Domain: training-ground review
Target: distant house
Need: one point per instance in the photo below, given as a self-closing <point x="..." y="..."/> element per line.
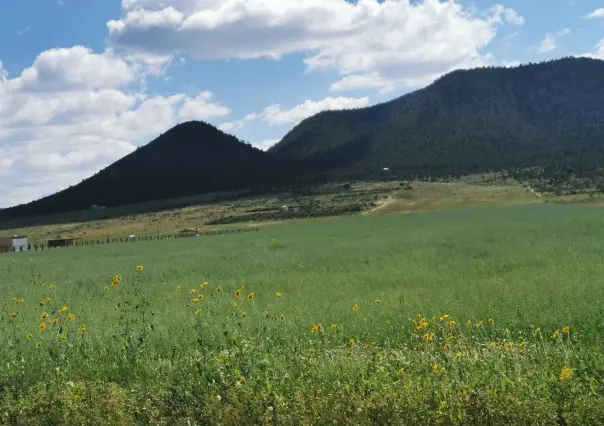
<point x="14" y="243"/>
<point x="60" y="242"/>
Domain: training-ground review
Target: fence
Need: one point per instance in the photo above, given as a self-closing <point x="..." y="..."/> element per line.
<point x="84" y="243"/>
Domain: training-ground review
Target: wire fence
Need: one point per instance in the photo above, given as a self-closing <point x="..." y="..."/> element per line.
<point x="65" y="243"/>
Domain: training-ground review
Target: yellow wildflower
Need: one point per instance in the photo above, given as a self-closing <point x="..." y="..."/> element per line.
<point x="200" y="297"/>
<point x="21" y="300"/>
<point x="434" y="368"/>
<point x="251" y="296"/>
<point x="566" y="373"/>
<point x="458" y="355"/>
<point x="452" y="324"/>
<point x="378" y="301"/>
<point x="443" y="318"/>
<point x="139" y="268"/>
<point x="71" y="317"/>
<point x="491" y="321"/>
<point x="193" y="291"/>
<point x="14" y="300"/>
<point x="244" y="315"/>
<point x="355" y="308"/>
<point x="42" y="326"/>
<point x="51" y="286"/>
<point x="446" y="346"/>
<point x="13" y="315"/>
<point x="198" y="312"/>
<point x="469" y="323"/>
<point x="63" y="309"/>
<point x="63" y="336"/>
<point x="479" y="324"/>
<point x="265" y="313"/>
<point x="315" y="329"/>
<point x="282" y="317"/>
<point x="556" y="334"/>
<point x="38" y="345"/>
<point x="351" y="341"/>
<point x="56" y="321"/>
<point x="506" y="332"/>
<point x="44" y="316"/>
<point x="333" y="326"/>
<point x="47" y="300"/>
<point x="204" y="284"/>
<point x="428" y="337"/>
<point x="234" y="304"/>
<point x="106" y="288"/>
<point x="278" y="294"/>
<point x="178" y="288"/>
<point x="83" y="329"/>
<point x="218" y="288"/>
<point x="238" y="293"/>
<point x="28" y="336"/>
<point x="566" y="329"/>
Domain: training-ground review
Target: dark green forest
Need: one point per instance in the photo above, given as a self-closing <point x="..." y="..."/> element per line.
<point x="539" y="122"/>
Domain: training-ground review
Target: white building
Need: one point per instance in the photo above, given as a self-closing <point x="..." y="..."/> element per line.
<point x="20" y="243"/>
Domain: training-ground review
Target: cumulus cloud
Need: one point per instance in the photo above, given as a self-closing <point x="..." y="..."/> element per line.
<point x="598" y="13"/>
<point x="380" y="45"/>
<point x="549" y="41"/>
<point x="74" y="112"/>
<point x="599" y="52"/>
<point x="276" y="115"/>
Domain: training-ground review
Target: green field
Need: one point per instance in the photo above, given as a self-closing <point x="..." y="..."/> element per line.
<point x="150" y="354"/>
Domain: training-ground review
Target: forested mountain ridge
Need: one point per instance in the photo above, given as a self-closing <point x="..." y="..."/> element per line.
<point x="549" y="115"/>
<point x="191" y="158"/>
<point x="471" y="121"/>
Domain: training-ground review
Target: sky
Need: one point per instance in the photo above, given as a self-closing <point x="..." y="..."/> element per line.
<point x="84" y="82"/>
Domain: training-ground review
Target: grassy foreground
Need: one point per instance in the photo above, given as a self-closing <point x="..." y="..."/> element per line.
<point x="479" y="316"/>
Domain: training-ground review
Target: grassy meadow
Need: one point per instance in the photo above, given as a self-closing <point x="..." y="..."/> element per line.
<point x="490" y="315"/>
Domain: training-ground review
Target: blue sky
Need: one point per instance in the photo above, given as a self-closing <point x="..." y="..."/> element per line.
<point x="83" y="83"/>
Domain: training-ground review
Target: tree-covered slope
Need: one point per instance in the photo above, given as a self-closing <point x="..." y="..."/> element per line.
<point x="470" y="121"/>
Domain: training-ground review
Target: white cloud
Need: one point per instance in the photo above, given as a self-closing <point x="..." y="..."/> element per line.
<point x="265" y="144"/>
<point x="598" y="13"/>
<point x="598" y="54"/>
<point x="549" y="41"/>
<point x="200" y="108"/>
<point x="74" y="112"/>
<point x="275" y="115"/>
<point x="380" y="45"/>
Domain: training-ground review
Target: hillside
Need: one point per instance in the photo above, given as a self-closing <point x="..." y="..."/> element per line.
<point x="191" y="158"/>
<point x="470" y="121"/>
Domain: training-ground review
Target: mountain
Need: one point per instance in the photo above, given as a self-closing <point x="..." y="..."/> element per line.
<point x="469" y="121"/>
<point x="486" y="119"/>
<point x="191" y="158"/>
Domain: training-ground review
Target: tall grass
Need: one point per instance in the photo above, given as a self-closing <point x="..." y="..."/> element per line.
<point x="481" y="316"/>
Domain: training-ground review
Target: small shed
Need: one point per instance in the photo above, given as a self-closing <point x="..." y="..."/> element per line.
<point x="61" y="242"/>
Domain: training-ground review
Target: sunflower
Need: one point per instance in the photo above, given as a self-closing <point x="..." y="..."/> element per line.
<point x="234" y="304"/>
<point x="42" y="326"/>
<point x="51" y="286"/>
<point x="63" y="336"/>
<point x="200" y="297"/>
<point x="314" y="329"/>
<point x="282" y="317"/>
<point x="278" y="294"/>
<point x="251" y="296"/>
<point x="378" y="301"/>
<point x="351" y="341"/>
<point x="193" y="291"/>
<point x="56" y="321"/>
<point x="434" y="367"/>
<point x="178" y="288"/>
<point x="38" y="345"/>
<point x="566" y="373"/>
<point x="44" y="286"/>
<point x="83" y="329"/>
<point x="566" y="329"/>
<point x="469" y="323"/>
<point x="244" y="315"/>
<point x="355" y="308"/>
<point x="333" y="326"/>
<point x="491" y="321"/>
<point x="47" y="300"/>
<point x="479" y="324"/>
<point x="21" y="300"/>
<point x="428" y="337"/>
<point x="204" y="284"/>
<point x="106" y="288"/>
<point x="139" y="268"/>
<point x="218" y="288"/>
<point x="556" y="334"/>
<point x="198" y="312"/>
<point x="14" y="300"/>
<point x="63" y="309"/>
<point x="71" y="317"/>
<point x="452" y="324"/>
<point x="443" y="318"/>
<point x="44" y="316"/>
<point x="458" y="355"/>
<point x="13" y="315"/>
<point x="28" y="336"/>
<point x="238" y="293"/>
